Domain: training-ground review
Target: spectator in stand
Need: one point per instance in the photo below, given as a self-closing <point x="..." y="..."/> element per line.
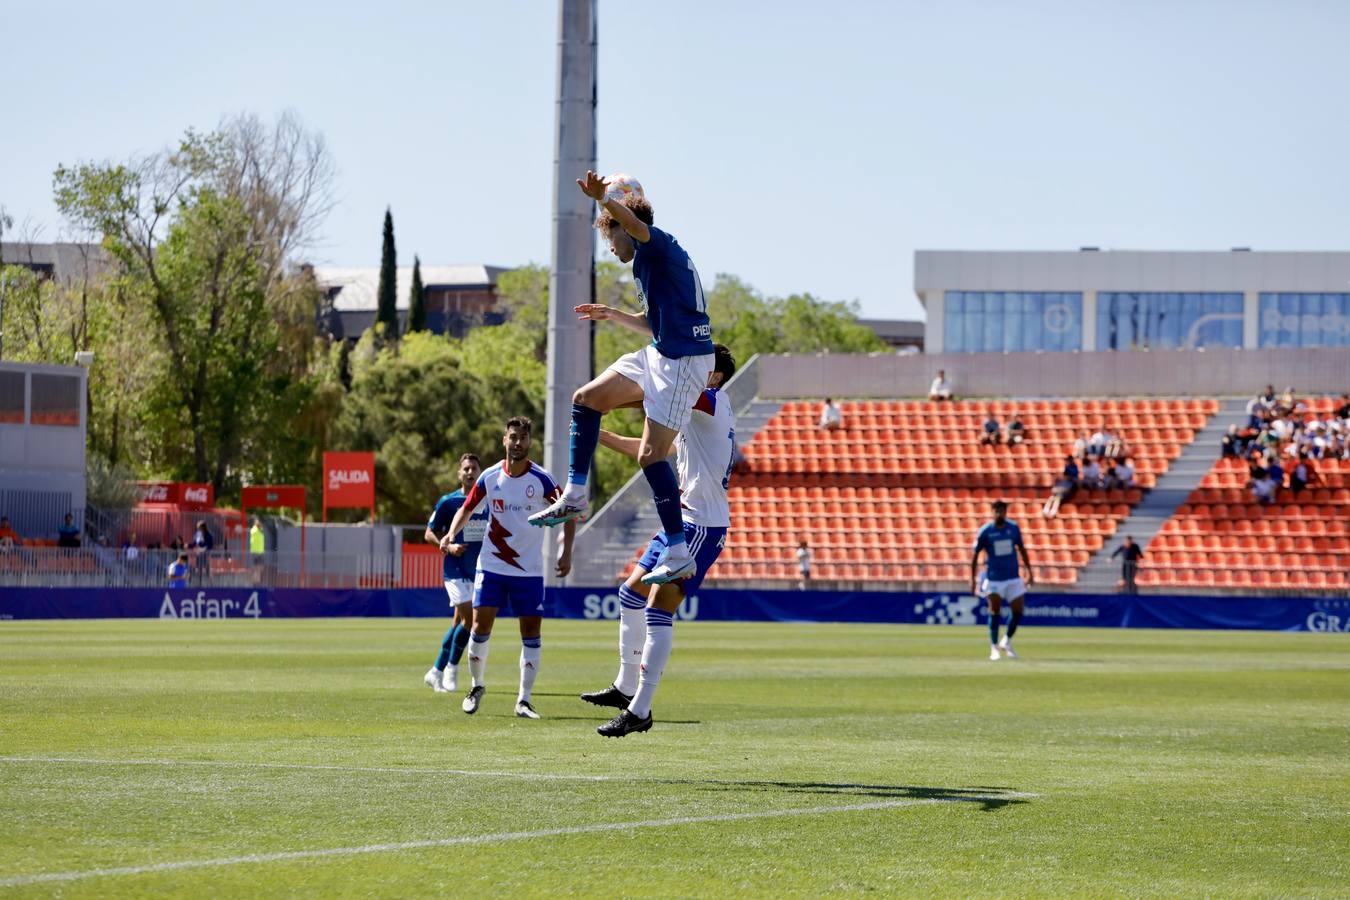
<point x="803" y="564"/>
<point x="1129" y="567"/>
<point x="1268" y="397"/>
<point x="1275" y="472"/>
<point x="1097" y="443"/>
<point x="1125" y="472"/>
<point x="8" y="536"/>
<point x="940" y="390"/>
<point x="831" y="419"/>
<point x="202" y="544"/>
<point x="1303" y="475"/>
<point x="1016" y="431"/>
<point x="1262" y="485"/>
<point x="68" y="533"/>
<point x="1255" y="408"/>
<point x="178" y="571"/>
<point x="1115" y="446"/>
<point x="1091" y="478"/>
<point x="1080" y="446"/>
<point x="1230" y="445"/>
<point x="1110" y="477"/>
<point x="992" y="434"/>
<point x="1063" y="488"/>
<point x="1342" y="410"/>
<point x="130" y="552"/>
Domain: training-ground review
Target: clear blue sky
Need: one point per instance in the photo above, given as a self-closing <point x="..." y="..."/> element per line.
<point x="802" y="146"/>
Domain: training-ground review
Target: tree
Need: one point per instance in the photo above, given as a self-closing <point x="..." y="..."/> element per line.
<point x="386" y="312"/>
<point x="417" y="300"/>
<point x="203" y="236"/>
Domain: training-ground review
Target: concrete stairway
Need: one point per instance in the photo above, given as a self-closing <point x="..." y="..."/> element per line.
<point x="1159" y="504"/>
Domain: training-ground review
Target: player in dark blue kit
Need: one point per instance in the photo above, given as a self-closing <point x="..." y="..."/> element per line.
<point x="998" y="540"/>
<point x="665" y="376"/>
<point x="458" y="571"/>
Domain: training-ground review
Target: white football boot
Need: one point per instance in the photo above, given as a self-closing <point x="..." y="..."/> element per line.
<point x="433" y="680"/>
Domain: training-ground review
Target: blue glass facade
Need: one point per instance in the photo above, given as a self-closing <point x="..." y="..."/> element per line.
<point x="994" y="321"/>
<point x="1305" y="320"/>
<point x="1158" y="321"/>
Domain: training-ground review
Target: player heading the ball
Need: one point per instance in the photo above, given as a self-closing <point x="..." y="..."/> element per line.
<point x="665" y="376"/>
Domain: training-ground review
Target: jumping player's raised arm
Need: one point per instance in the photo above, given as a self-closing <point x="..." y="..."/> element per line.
<point x="593" y="186"/>
<point x="598" y="312"/>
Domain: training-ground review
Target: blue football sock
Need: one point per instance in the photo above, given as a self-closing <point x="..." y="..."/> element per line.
<point x="666" y="492"/>
<point x="446" y="648"/>
<point x="1013" y="623"/>
<point x="584" y="436"/>
<point x="993" y="627"/>
<point x="459" y="640"/>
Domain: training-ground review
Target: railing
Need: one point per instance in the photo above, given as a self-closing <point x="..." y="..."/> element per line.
<point x="108" y="567"/>
<point x="104" y="567"/>
<point x="1284" y="578"/>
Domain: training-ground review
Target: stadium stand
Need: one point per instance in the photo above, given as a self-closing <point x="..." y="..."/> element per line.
<point x="898" y="493"/>
<point x="1223" y="538"/>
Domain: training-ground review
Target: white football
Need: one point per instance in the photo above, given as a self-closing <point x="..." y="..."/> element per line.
<point x="621" y="187"/>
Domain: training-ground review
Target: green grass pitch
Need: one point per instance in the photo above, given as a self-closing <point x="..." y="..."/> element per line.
<point x="305" y="757"/>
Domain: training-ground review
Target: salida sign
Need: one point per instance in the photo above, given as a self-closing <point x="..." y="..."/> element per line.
<point x="349" y="481"/>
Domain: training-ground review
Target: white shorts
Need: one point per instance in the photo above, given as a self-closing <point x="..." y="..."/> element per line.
<point x="460" y="591"/>
<point x="1009" y="590"/>
<point x="670" y="387"/>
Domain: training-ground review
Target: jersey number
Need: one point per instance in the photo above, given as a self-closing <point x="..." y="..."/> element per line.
<point x="699" y="302"/>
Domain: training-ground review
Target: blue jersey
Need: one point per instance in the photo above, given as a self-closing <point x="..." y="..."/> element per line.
<point x="460" y="568"/>
<point x="672" y="297"/>
<point x="998" y="544"/>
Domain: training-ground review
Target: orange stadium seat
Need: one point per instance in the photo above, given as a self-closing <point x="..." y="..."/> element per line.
<point x="920" y="465"/>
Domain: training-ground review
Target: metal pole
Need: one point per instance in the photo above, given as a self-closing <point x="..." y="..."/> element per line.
<point x="573" y="256"/>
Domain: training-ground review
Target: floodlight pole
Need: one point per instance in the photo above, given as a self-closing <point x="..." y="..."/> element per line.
<point x="571" y="274"/>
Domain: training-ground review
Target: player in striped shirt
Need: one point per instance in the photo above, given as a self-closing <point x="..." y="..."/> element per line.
<point x="703" y="457"/>
<point x="510" y="575"/>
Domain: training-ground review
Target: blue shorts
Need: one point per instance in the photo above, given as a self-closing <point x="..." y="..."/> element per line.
<point x="517" y="595"/>
<point x="705" y="545"/>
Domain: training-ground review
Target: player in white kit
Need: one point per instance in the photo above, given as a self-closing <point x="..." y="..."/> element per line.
<point x="511" y="565"/>
<point x="704" y="453"/>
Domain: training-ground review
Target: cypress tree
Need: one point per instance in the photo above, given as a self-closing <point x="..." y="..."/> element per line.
<point x="417" y="300"/>
<point x="385" y="310"/>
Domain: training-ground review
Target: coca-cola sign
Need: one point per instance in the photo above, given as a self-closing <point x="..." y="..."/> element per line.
<point x="158" y="492"/>
<point x="178" y="493"/>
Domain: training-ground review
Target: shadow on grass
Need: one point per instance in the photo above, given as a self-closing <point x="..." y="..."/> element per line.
<point x="989" y="798"/>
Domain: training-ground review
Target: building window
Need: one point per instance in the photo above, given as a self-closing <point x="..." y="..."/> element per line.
<point x="11" y="398"/>
<point x="56" y="400"/>
<point x="1305" y="320"/>
<point x="993" y="321"/>
<point x="1160" y="321"/>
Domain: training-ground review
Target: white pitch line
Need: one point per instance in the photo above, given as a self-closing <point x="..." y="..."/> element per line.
<point x="231" y="764"/>
<point x="43" y="878"/>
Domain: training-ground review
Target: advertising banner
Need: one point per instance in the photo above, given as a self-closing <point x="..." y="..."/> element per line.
<point x="1327" y="614"/>
<point x="349" y="480"/>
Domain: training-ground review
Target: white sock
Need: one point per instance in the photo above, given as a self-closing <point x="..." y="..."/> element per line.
<point x="478" y="652"/>
<point x="575" y="494"/>
<point x="529" y="667"/>
<point x="655" y="655"/>
<point x="632" y="636"/>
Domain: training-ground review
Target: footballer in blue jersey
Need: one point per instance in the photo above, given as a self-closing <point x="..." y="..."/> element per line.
<point x="1000" y="541"/>
<point x="665" y="377"/>
<point x="459" y="562"/>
